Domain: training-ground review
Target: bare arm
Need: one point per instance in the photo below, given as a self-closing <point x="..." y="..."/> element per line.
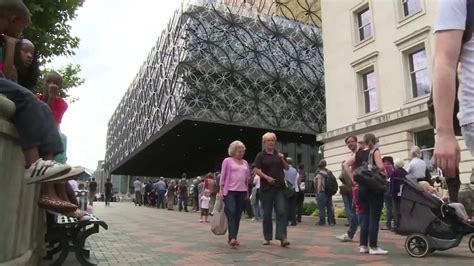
<point x="286" y="166"/>
<point x="378" y="161"/>
<point x="347" y="166"/>
<point x="8" y="68"/>
<point x="318" y="190"/>
<point x="263" y="175"/>
<point x="448" y="46"/>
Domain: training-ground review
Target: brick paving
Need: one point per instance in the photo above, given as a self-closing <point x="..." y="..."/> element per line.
<point x="148" y="236"/>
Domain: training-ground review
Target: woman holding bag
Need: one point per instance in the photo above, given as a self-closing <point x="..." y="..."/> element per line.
<point x="234" y="182"/>
<point x="371" y="203"/>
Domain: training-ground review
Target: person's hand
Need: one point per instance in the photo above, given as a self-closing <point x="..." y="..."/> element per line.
<point x="8" y="39"/>
<point x="447" y="154"/>
<point x="271" y="180"/>
<point x="281" y="155"/>
<point x="53" y="90"/>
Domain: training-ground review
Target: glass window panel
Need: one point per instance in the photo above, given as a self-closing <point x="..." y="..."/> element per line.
<point x="422" y="82"/>
<point x="411" y="7"/>
<point x="419" y="59"/>
<point x="373" y="100"/>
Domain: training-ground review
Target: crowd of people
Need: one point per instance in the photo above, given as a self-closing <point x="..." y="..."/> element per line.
<point x="37" y="116"/>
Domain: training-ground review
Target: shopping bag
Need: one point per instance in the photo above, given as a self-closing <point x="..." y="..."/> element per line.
<point x="218" y="219"/>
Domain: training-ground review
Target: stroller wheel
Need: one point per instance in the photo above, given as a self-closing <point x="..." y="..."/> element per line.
<point x="417" y="245"/>
<point x="471" y="243"/>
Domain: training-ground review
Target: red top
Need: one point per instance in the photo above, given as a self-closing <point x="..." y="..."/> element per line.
<point x="58" y="107"/>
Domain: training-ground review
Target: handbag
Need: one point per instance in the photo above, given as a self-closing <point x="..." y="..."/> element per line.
<point x="218" y="218"/>
<point x="370" y="176"/>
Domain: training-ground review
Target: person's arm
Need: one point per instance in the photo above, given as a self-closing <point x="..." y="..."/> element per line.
<point x="223" y="177"/>
<point x="347" y="166"/>
<point x="286" y="166"/>
<point x="378" y="161"/>
<point x="319" y="184"/>
<point x="447" y="50"/>
<point x="9" y="57"/>
<point x="259" y="172"/>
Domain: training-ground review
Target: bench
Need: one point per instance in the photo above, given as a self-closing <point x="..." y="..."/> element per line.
<point x="65" y="234"/>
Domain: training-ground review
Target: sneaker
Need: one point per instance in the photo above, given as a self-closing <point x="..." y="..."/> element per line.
<point x="43" y="170"/>
<point x="377" y="251"/>
<point x="200" y="221"/>
<point x="72" y="174"/>
<point x="253" y="219"/>
<point x="344" y="238"/>
<point x="363" y="250"/>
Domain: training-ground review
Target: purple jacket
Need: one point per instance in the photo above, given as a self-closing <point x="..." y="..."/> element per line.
<point x="396" y="180"/>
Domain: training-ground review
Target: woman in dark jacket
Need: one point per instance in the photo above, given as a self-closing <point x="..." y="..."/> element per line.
<point x="396" y="180"/>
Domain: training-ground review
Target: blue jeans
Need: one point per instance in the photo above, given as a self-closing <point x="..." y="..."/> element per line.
<point x="354" y="222"/>
<point x="292" y="209"/>
<point x="325" y="205"/>
<point x="389" y="209"/>
<point x="347" y="199"/>
<point x="274" y="198"/>
<point x="234" y="206"/>
<point x="160" y="203"/>
<point x="257" y="207"/>
<point x="371" y="205"/>
<point x="33" y="120"/>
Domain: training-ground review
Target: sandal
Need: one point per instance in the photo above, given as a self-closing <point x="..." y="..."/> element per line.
<point x="55" y="205"/>
<point x="284" y="243"/>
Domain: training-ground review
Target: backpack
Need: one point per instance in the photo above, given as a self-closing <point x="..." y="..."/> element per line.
<point x="330" y="183"/>
<point x="465" y="38"/>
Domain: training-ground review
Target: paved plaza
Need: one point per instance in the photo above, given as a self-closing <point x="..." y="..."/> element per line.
<point x="148" y="236"/>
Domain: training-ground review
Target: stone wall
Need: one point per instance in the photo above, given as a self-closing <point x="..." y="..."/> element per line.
<point x="22" y="225"/>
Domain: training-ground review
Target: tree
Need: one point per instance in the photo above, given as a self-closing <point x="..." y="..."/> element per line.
<point x="49" y="29"/>
<point x="51" y="34"/>
<point x="71" y="79"/>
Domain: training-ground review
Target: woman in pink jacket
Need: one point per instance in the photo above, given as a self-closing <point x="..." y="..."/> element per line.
<point x="234" y="180"/>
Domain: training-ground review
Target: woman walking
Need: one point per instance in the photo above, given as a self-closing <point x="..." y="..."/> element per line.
<point x="170" y="193"/>
<point x="371" y="203"/>
<point x="234" y="182"/>
<point x="269" y="165"/>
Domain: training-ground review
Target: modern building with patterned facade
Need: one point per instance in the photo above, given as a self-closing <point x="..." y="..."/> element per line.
<point x="218" y="73"/>
<point x="378" y="65"/>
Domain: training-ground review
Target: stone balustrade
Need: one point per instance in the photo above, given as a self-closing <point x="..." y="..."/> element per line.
<point x="22" y="224"/>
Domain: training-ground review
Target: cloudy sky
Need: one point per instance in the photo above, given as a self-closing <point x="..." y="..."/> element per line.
<point x="116" y="36"/>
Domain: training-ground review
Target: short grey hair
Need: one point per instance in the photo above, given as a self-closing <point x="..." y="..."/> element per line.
<point x="289" y="160"/>
<point x="415" y="151"/>
<point x="234" y="145"/>
<point x="399" y="163"/>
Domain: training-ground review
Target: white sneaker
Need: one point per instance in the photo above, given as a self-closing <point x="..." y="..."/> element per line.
<point x="363" y="249"/>
<point x="43" y="170"/>
<point x="74" y="172"/>
<point x="377" y="251"/>
<point x="344" y="238"/>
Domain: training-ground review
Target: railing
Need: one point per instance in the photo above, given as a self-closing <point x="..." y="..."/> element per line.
<point x="22" y="224"/>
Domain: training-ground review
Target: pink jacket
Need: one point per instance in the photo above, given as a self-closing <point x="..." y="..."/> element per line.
<point x="225" y="178"/>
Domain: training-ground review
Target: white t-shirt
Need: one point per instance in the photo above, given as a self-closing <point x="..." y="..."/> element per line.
<point x="452" y="16"/>
<point x="256" y="181"/>
<point x="205" y="202"/>
<point x="138" y="185"/>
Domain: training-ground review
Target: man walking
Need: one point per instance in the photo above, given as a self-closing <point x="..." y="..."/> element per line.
<point x="92" y="191"/>
<point x="351" y="143"/>
<point x="160" y="190"/>
<point x="324" y="197"/>
<point x="138" y="192"/>
<point x="290" y="176"/>
<point x="183" y="196"/>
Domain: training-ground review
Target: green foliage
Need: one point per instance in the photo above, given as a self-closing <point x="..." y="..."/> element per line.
<point x="49" y="29"/>
<point x="71" y="79"/>
<point x="340" y="213"/>
<point x="310" y="208"/>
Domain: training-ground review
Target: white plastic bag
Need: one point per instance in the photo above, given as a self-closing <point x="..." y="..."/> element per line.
<point x="218" y="218"/>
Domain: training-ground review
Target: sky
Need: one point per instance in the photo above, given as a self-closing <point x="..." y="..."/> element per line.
<point x="116" y="37"/>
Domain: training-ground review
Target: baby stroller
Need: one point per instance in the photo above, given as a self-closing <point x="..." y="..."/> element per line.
<point x="429" y="223"/>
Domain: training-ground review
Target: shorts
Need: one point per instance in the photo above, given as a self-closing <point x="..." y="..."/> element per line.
<point x="204" y="211"/>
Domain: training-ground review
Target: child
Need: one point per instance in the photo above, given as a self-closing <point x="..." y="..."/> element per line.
<point x="204" y="203"/>
<point x="26" y="64"/>
<point x="33" y="120"/>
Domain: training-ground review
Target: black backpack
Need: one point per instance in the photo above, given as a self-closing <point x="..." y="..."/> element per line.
<point x="465" y="38"/>
<point x="331" y="186"/>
